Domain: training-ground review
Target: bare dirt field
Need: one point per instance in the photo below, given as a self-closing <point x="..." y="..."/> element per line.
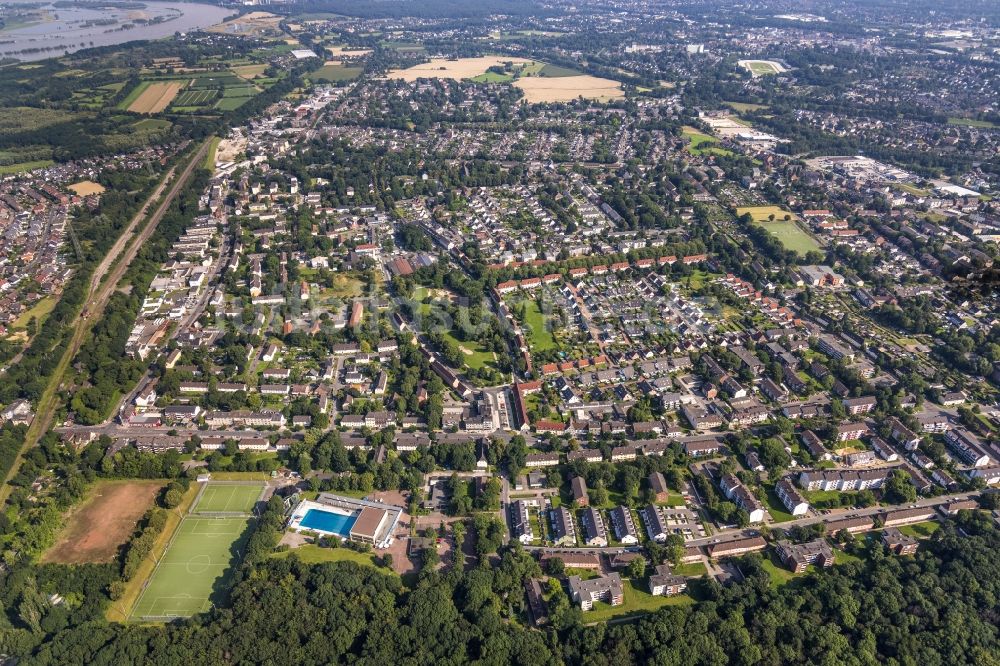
<point x="87" y="187"/>
<point x="462" y="68"/>
<point x="341" y="52"/>
<point x="229" y="149"/>
<point x="156" y="97"/>
<point x="95" y="530"/>
<point x="566" y="88"/>
<point x="254" y="24"/>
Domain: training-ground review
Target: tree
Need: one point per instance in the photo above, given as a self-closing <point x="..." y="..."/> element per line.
<point x="637" y="568"/>
<point x="899" y="489"/>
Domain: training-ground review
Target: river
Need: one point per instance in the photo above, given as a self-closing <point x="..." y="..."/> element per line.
<point x="52" y="31"/>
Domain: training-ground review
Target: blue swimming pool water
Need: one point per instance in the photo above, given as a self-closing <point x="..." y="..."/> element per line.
<point x="326" y="521"/>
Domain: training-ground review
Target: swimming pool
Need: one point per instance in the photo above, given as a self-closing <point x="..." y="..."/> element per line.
<point x="327" y="521"/>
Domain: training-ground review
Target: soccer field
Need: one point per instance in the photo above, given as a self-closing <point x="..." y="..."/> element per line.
<point x="228" y="498"/>
<point x="199" y="557"/>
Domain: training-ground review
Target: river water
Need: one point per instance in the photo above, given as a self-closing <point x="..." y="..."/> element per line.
<point x="63" y="29"/>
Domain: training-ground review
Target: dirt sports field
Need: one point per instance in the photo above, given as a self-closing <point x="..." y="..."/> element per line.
<point x="442" y="68"/>
<point x="156" y="97"/>
<point x="87" y="187"/>
<point x="567" y="88"/>
<point x="95" y="530"/>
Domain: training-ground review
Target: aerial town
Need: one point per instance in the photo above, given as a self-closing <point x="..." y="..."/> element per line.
<point x="645" y="305"/>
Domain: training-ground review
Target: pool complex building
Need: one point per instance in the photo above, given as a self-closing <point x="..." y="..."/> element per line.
<point x="347" y="518"/>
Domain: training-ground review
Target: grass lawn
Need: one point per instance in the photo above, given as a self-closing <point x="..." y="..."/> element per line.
<point x="813" y="496"/>
<point x="203" y="551"/>
<point x="673" y="500"/>
<point x="312" y="554"/>
<point x="39" y="311"/>
<point x="210" y="157"/>
<point x="921" y="530"/>
<point x="912" y="189"/>
<point x="540" y="338"/>
<point x="637" y="602"/>
<point x="842" y="557"/>
<point x="702" y="144"/>
<point x="776" y="508"/>
<point x="692" y="570"/>
<point x="787" y="231"/>
<point x="226" y="498"/>
<point x="776" y="570"/>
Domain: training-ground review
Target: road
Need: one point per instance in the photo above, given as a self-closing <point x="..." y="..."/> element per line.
<point x="102" y="285"/>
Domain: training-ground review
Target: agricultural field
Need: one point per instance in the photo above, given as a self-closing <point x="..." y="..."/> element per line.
<point x="791" y="235"/>
<point x="96" y="529"/>
<point x="185" y="581"/>
<point x="196" y="98"/>
<point x="461" y="68"/>
<point x="333" y="72"/>
<point x="154" y="97"/>
<point x="563" y="88"/>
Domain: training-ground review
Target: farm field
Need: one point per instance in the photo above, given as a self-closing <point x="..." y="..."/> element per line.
<point x="228" y="498"/>
<point x="200" y="556"/>
<point x="95" y="530"/>
<point x="787" y="231"/>
<point x="155" y="97"/>
<point x="462" y="68"/>
<point x="538" y="89"/>
<point x="195" y="98"/>
<point x="332" y="73"/>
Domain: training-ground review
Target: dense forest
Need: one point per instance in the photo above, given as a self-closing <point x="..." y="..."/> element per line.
<point x="941" y="606"/>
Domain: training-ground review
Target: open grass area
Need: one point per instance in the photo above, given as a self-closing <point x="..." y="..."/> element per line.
<point x="693" y="570"/>
<point x="912" y="189"/>
<point x="921" y="530"/>
<point x="637" y="602"/>
<point x="842" y="557"/>
<point x="189" y="578"/>
<point x="313" y="554"/>
<point x="475" y="355"/>
<point x="39" y="311"/>
<point x="213" y="149"/>
<point x="971" y="122"/>
<point x="745" y="107"/>
<point x="8" y="169"/>
<point x="776" y="570"/>
<point x="539" y="337"/>
<point x="335" y="73"/>
<point x="791" y="235"/>
<point x="700" y="143"/>
<point x="228" y="498"/>
<point x="776" y="508"/>
<point x="493" y="77"/>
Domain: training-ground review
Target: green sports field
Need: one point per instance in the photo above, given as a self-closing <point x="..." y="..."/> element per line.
<point x="197" y="561"/>
<point x="228" y="498"/>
